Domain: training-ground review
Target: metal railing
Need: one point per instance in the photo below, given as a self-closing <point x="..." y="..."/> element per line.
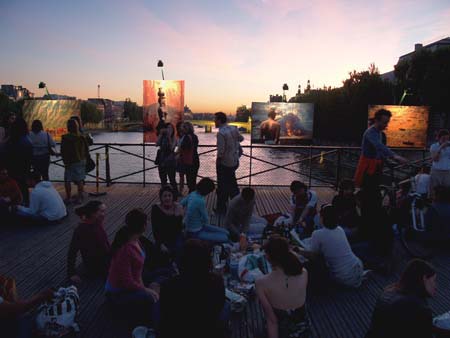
<point x="260" y="165"/>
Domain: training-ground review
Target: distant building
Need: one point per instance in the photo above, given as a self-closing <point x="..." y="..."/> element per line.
<point x="276" y="98"/>
<point x="16" y="92"/>
<point x="443" y="43"/>
<point x="106" y="107"/>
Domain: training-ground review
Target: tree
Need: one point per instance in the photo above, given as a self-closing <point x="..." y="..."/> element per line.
<point x="426" y="76"/>
<point x="341" y="113"/>
<point x="9" y="106"/>
<point x="132" y="111"/>
<point x="90" y="113"/>
<point x="242" y="113"/>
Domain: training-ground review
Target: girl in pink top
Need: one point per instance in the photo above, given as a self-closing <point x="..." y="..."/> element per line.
<point x="124" y="286"/>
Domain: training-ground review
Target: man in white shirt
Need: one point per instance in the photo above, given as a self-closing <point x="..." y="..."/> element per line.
<point x="227" y="162"/>
<point x="331" y="242"/>
<point x="46" y="204"/>
<point x="440" y="154"/>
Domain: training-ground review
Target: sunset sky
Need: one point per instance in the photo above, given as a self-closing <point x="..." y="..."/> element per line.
<point x="228" y="52"/>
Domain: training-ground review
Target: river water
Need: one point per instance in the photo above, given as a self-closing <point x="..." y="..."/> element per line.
<point x="122" y="163"/>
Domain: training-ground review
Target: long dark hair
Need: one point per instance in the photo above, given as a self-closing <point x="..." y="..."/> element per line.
<point x="89" y="208"/>
<point x="37" y="126"/>
<point x="279" y="255"/>
<point x="135" y="223"/>
<point x="196" y="259"/>
<point x="411" y="280"/>
<point x="18" y="129"/>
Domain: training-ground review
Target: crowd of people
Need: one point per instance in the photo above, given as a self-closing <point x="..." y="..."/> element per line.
<point x="158" y="280"/>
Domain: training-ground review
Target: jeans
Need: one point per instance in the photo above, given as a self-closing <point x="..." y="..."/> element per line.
<point x="227" y="186"/>
<point x="168" y="172"/>
<point x="41" y="164"/>
<point x="32" y="220"/>
<point x="212" y="233"/>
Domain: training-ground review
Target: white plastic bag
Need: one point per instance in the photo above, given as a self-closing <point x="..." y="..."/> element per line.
<point x="57" y="317"/>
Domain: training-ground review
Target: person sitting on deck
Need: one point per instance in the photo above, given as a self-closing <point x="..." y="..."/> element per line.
<point x="90" y="239"/>
<point x="124" y="287"/>
<point x="303" y="206"/>
<point x="196" y="218"/>
<point x="167" y="223"/>
<point x="46" y="205"/>
<point x="345" y="204"/>
<point x="196" y="287"/>
<point x="14" y="320"/>
<point x="422" y="181"/>
<point x="331" y="242"/>
<point x="10" y="195"/>
<point x="282" y="293"/>
<point x="239" y="219"/>
<point x="437" y="217"/>
<point x="402" y="309"/>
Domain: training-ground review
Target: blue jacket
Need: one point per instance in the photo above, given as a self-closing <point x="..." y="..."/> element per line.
<point x="196" y="215"/>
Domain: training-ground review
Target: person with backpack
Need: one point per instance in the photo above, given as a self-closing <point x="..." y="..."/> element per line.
<point x="74" y="152"/>
<point x="43" y="145"/>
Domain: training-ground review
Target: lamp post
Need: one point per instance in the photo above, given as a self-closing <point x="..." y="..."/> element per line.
<point x="43" y="85"/>
<point x="161" y="65"/>
<point x="285" y="87"/>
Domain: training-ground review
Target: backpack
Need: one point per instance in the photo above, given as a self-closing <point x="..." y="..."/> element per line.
<point x="57" y="317"/>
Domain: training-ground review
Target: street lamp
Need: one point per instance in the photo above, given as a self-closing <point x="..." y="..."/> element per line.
<point x="285" y="87"/>
<point x="43" y="85"/>
<point x="161" y="65"/>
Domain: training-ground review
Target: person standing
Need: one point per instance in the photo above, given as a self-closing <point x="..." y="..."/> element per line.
<point x="191" y="174"/>
<point x="42" y="148"/>
<point x="370" y="166"/>
<point x="74" y="149"/>
<point x="227" y="162"/>
<point x="440" y="154"/>
<point x="166" y="157"/>
<point x="18" y="155"/>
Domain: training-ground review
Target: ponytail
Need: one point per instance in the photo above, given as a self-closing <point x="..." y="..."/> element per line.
<point x="279" y="255"/>
<point x="135" y="223"/>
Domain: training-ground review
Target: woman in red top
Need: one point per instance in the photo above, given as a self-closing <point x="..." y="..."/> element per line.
<point x="124" y="286"/>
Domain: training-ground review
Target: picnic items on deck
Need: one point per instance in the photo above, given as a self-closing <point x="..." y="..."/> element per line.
<point x="253" y="266"/>
<point x="237" y="301"/>
<point x="143" y="332"/>
<point x="442" y="324"/>
<point x="57" y="317"/>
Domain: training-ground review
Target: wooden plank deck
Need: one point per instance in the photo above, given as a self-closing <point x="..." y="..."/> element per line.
<point x="36" y="257"/>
